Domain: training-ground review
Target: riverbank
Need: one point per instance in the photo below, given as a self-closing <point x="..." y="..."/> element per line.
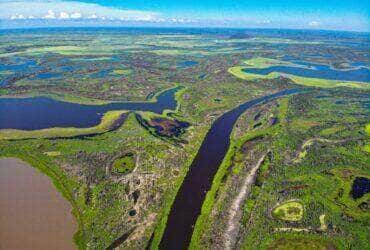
<point x="199" y="179"/>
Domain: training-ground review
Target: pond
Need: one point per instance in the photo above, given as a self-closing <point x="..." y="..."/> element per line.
<point x="187" y="64"/>
<point x="360" y="187"/>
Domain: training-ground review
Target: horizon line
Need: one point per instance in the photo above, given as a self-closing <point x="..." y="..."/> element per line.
<point x="178" y="27"/>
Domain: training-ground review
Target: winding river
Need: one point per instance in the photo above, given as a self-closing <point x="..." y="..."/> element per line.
<point x="198" y="181"/>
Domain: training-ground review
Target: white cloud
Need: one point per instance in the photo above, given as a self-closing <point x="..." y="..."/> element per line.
<point x="63" y="15"/>
<point x="93" y="16"/>
<point x="38" y="9"/>
<point x="17" y="16"/>
<point x="314" y="24"/>
<point x="50" y="15"/>
<point x="76" y="15"/>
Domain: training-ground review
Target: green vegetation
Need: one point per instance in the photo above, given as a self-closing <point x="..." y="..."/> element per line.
<point x="367" y="130"/>
<point x="122" y="71"/>
<point x="301" y="243"/>
<point x="314" y="144"/>
<point x="316" y="190"/>
<point x="289" y="211"/>
<point x="52" y="153"/>
<point x="124" y="164"/>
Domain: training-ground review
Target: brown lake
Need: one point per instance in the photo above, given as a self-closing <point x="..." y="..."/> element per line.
<point x="33" y="214"/>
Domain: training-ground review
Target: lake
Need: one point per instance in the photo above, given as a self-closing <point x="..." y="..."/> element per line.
<point x="43" y="112"/>
<point x="33" y="214"/>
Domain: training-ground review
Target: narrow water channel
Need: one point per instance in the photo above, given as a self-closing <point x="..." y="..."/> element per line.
<point x="33" y="214"/>
<point x="198" y="181"/>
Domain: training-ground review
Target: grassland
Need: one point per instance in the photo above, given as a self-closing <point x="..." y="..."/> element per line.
<point x="124" y="164"/>
<point x="288" y="211"/>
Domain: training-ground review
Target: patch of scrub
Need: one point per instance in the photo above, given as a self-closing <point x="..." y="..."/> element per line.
<point x="124" y="165"/>
<point x="301" y="243"/>
<point x="307" y="144"/>
<point x="332" y="130"/>
<point x="289" y="211"/>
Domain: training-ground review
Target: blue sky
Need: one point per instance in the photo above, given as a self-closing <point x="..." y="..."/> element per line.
<point x="313" y="14"/>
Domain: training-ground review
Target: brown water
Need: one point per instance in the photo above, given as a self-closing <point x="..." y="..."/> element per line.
<point x="33" y="215"/>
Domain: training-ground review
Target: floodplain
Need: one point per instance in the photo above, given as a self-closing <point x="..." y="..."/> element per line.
<point x="293" y="171"/>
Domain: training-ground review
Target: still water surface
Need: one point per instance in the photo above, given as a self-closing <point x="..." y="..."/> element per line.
<point x="42" y="112"/>
<point x="361" y="74"/>
<point x="33" y="214"/>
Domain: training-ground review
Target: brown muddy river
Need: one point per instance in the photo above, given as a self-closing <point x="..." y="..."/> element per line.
<point x="33" y="214"/>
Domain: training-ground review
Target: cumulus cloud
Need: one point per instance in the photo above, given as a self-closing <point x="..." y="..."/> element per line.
<point x="16" y="16"/>
<point x="61" y="9"/>
<point x="50" y="15"/>
<point x="63" y="15"/>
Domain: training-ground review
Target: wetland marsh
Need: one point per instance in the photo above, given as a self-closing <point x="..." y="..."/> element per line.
<point x="165" y="138"/>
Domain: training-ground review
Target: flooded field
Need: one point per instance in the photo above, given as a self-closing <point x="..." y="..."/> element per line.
<point x="33" y="215"/>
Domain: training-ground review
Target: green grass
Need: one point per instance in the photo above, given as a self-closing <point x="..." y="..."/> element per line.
<point x="289" y="211"/>
<point x="261" y="62"/>
<point x="53" y="153"/>
<point x="332" y="130"/>
<point x="124" y="164"/>
<point x="121" y="71"/>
